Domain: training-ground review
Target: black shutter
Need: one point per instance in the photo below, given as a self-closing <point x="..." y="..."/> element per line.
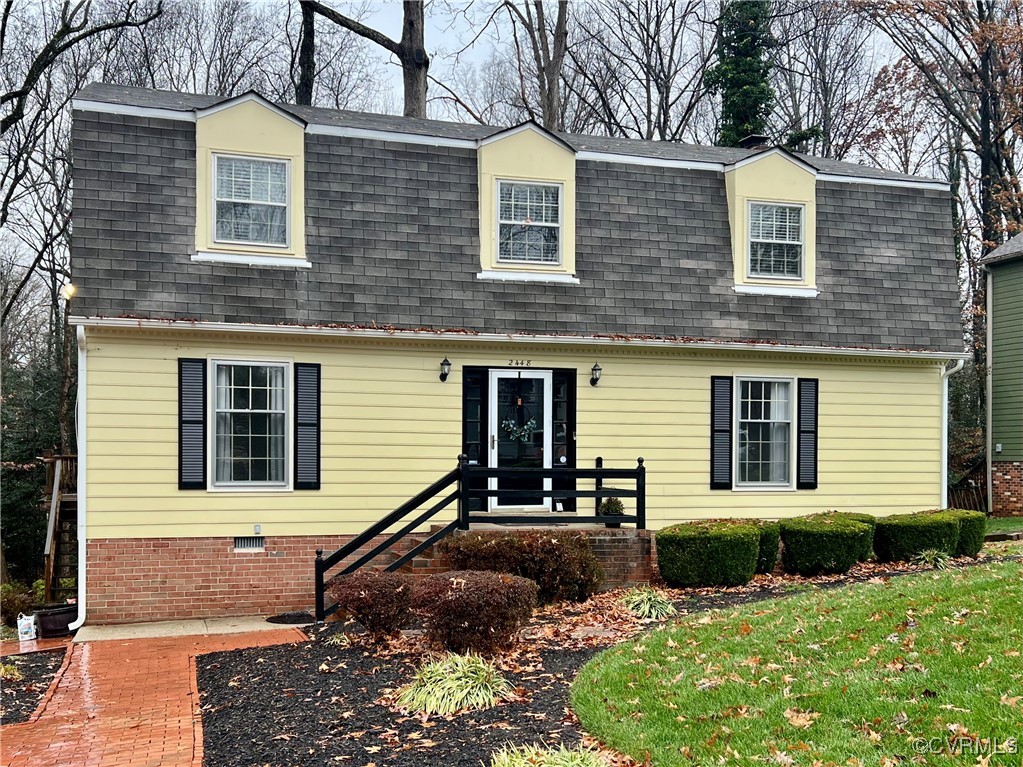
<point x="191" y="424"/>
<point x="563" y="439"/>
<point x="806" y="445"/>
<point x="307" y="426"/>
<point x="475" y="387"/>
<point x="721" y="433"/>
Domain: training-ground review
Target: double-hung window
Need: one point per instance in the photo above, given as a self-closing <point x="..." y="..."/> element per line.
<point x="529" y="222"/>
<point x="250" y="414"/>
<point x="250" y="200"/>
<point x="763" y="444"/>
<point x="775" y="241"/>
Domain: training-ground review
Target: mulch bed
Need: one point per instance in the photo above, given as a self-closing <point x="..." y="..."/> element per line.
<point x="19" y="698"/>
<point x="318" y="703"/>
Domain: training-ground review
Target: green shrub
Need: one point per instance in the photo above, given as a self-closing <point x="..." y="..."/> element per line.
<point x="539" y="755"/>
<point x="867" y="519"/>
<point x="822" y="543"/>
<point x="474" y="611"/>
<point x="901" y="537"/>
<point x="972" y="527"/>
<point x="767" y="551"/>
<point x="562" y="565"/>
<point x="611" y="507"/>
<point x="381" y="602"/>
<point x="712" y="553"/>
<point x="14" y="598"/>
<point x="454" y="683"/>
<point x="645" y="602"/>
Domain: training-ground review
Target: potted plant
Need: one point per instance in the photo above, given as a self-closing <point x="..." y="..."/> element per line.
<point x="612" y="507"/>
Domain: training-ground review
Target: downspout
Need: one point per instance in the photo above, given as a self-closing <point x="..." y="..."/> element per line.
<point x="946" y="373"/>
<point x="988" y="383"/>
<point x="80" y="490"/>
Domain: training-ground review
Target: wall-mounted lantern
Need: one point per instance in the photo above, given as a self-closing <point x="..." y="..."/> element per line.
<point x="595" y="372"/>
<point x="445" y="369"/>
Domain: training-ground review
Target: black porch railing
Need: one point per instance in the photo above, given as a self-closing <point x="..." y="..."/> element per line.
<point x="467" y="482"/>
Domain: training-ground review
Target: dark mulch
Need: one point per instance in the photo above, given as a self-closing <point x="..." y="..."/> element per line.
<point x="317" y="704"/>
<point x="19" y="697"/>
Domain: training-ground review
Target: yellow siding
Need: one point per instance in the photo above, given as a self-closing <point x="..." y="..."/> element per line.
<point x="390" y="427"/>
<point x="526" y="156"/>
<point x="773" y="178"/>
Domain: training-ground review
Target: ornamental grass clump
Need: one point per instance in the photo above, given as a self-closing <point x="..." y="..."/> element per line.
<point x="538" y="755"/>
<point x="711" y="553"/>
<point x="648" y="604"/>
<point x="455" y="683"/>
<point x="822" y="543"/>
<point x="939" y="560"/>
<point x="901" y="537"/>
<point x="474" y="611"/>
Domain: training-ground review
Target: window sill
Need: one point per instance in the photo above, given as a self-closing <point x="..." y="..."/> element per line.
<point x="777" y="290"/>
<point x="246" y="259"/>
<point x="250" y="489"/>
<point x="496" y="275"/>
<point x="763" y="489"/>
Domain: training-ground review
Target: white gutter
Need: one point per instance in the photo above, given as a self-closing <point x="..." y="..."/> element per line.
<point x="516" y="338"/>
<point x="81" y="497"/>
<point x="945" y="375"/>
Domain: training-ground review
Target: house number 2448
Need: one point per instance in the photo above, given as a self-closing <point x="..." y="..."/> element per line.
<point x="520" y="363"/>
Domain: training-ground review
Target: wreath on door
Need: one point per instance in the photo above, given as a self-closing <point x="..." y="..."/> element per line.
<point x="510" y="423"/>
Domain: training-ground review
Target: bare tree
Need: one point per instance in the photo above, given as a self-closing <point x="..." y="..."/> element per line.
<point x="641" y="65"/>
<point x="824" y="77"/>
<point x="540" y="48"/>
<point x="410" y="50"/>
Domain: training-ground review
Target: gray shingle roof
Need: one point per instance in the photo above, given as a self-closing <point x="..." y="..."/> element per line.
<point x="659" y="150"/>
<point x="1009" y="250"/>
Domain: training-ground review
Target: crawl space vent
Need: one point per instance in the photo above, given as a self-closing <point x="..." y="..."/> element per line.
<point x="249" y="543"/>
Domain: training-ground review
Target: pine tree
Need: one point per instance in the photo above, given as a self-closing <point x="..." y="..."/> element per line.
<point x="741" y="74"/>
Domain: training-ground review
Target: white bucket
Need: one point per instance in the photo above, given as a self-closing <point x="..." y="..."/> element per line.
<point x="26" y="627"/>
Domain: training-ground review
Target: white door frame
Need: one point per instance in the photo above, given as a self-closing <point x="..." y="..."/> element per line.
<point x="493" y="418"/>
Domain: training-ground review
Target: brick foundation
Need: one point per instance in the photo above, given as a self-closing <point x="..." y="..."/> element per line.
<point x="153" y="579"/>
<point x="1007" y="488"/>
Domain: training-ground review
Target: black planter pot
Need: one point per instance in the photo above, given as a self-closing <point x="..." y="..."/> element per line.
<point x="54" y="622"/>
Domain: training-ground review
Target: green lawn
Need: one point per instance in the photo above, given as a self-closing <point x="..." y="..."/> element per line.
<point x="1005" y="524"/>
<point x="817" y="679"/>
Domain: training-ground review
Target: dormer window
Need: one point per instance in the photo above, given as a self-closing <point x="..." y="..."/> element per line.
<point x="251" y="200"/>
<point x="529" y="216"/>
<point x="775" y="241"/>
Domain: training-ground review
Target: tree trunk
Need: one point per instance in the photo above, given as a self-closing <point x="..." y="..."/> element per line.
<point x="414" y="62"/>
<point x="306" y="56"/>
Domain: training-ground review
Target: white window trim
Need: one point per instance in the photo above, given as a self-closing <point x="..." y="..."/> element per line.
<point x="793" y="291"/>
<point x="252" y="259"/>
<point x="500" y="275"/>
<point x="211" y="432"/>
<point x="498" y="261"/>
<point x="768" y="487"/>
<point x="802" y="241"/>
<point x="287" y="204"/>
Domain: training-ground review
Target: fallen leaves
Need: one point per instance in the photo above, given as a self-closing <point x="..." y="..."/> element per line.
<point x="801" y="719"/>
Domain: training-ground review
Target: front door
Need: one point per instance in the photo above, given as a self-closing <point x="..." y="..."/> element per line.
<point x="520" y="426"/>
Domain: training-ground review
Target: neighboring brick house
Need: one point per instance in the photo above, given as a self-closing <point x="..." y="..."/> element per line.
<point x="1004" y="266"/>
<point x="292" y="319"/>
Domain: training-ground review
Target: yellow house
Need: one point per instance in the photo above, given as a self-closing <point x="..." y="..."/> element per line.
<point x="292" y="320"/>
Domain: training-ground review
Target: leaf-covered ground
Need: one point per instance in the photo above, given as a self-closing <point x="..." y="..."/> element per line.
<point x="19" y="697"/>
<point x="879" y="673"/>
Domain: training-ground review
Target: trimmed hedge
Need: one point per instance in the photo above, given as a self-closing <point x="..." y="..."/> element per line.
<point x="712" y="553"/>
<point x="822" y="543"/>
<point x="901" y="537"/>
<point x="562" y="565"/>
<point x="381" y="602"/>
<point x="867" y="519"/>
<point x="972" y="527"/>
<point x="474" y="611"/>
<point x="770" y="540"/>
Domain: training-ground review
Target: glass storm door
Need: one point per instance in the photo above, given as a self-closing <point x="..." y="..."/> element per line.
<point x="520" y="433"/>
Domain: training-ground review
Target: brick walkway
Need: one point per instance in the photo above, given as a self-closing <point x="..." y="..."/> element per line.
<point x="125" y="704"/>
